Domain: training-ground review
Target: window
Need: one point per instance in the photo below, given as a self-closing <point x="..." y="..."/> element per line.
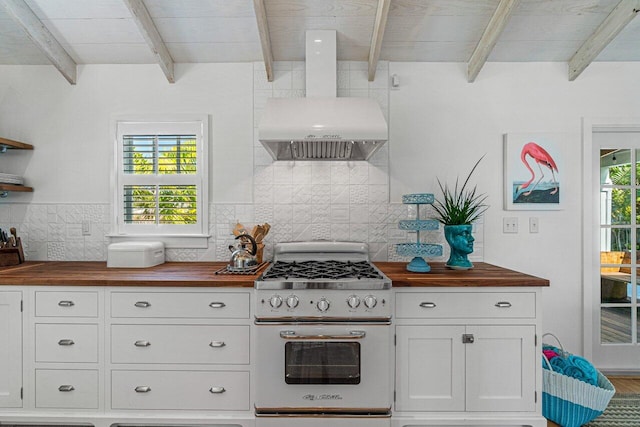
<point x="161" y="178"/>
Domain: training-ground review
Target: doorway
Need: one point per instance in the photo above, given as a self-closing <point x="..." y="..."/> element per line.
<point x="612" y="247"/>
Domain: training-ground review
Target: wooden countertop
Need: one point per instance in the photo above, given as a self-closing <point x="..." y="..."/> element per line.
<point x="202" y="274"/>
<point x="482" y="274"/>
<point x="97" y="274"/>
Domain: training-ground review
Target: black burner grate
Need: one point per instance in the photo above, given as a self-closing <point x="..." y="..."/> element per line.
<point x="331" y="270"/>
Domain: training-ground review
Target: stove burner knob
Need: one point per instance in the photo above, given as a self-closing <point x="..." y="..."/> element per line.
<point x="323" y="305"/>
<point x="292" y="301"/>
<point x="275" y="301"/>
<point x="370" y="301"/>
<point x="353" y="301"/>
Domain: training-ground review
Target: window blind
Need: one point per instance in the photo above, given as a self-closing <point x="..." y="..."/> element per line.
<point x="159" y="154"/>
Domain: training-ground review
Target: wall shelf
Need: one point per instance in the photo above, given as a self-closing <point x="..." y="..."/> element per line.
<point x="5" y="188"/>
<point x="9" y="144"/>
<point x="14" y="145"/>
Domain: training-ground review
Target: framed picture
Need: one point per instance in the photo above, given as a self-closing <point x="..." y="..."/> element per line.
<point x="533" y="168"/>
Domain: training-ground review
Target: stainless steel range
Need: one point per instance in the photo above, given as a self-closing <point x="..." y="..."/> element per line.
<point x="324" y="341"/>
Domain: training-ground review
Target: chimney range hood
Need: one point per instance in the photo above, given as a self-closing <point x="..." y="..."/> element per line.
<point x="322" y="126"/>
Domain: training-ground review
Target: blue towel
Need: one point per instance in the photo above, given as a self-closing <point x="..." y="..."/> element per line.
<point x="581" y="369"/>
<point x="559" y="365"/>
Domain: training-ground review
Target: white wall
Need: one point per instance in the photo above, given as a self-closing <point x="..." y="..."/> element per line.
<point x="440" y="125"/>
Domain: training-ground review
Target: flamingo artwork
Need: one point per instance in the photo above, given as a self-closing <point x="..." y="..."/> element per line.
<point x="541" y="158"/>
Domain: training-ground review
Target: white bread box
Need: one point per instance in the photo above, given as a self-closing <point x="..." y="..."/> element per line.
<point x="135" y="254"/>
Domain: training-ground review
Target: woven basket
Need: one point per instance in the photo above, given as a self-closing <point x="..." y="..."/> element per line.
<point x="570" y="402"/>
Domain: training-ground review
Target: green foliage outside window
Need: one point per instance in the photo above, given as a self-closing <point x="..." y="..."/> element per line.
<point x="621" y="206"/>
<point x="162" y="204"/>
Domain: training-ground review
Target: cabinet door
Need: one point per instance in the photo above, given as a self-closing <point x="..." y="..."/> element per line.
<point x="501" y="368"/>
<point x="430" y="364"/>
<point x="10" y="350"/>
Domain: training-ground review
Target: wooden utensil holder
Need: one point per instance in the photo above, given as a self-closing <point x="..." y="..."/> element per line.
<point x="12" y="255"/>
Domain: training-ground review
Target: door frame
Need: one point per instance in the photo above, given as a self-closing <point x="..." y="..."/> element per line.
<point x="591" y="227"/>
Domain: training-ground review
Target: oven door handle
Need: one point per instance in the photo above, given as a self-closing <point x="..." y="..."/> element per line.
<point x="352" y="335"/>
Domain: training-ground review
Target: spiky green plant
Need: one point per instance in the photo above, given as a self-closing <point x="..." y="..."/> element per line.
<point x="461" y="205"/>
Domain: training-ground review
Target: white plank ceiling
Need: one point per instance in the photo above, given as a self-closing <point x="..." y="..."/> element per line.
<point x="204" y="31"/>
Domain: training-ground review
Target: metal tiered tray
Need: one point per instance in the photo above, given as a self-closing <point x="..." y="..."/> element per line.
<point x="418" y="250"/>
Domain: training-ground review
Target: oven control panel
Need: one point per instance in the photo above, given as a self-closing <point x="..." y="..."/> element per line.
<point x="325" y="303"/>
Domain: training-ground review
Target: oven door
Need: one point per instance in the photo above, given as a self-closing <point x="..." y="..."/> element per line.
<point x="325" y="367"/>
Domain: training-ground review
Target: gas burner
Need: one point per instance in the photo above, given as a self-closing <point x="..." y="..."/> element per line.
<point x="331" y="270"/>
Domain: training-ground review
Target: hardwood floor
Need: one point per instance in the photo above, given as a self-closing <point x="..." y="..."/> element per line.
<point x="623" y="385"/>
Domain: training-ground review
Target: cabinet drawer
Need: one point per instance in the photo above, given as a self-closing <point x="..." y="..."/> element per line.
<point x="66" y="304"/>
<point x="191" y="390"/>
<point x="202" y="344"/>
<point x="66" y="343"/>
<point x="71" y="389"/>
<point x="181" y="305"/>
<point x="501" y="305"/>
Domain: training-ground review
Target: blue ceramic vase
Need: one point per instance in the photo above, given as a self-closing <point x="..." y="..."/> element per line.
<point x="460" y="240"/>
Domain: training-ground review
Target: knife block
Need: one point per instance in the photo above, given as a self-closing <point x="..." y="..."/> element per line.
<point x="12" y="255"/>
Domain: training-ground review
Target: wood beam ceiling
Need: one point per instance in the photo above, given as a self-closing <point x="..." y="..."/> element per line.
<point x="490" y="37"/>
<point x="22" y="14"/>
<point x="265" y="40"/>
<point x="619" y="17"/>
<point x="151" y="35"/>
<point x="377" y="35"/>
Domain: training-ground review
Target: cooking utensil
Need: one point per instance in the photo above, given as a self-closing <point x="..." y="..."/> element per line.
<point x="239" y="230"/>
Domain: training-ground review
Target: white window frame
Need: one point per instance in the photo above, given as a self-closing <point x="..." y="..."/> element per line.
<point x="173" y="236"/>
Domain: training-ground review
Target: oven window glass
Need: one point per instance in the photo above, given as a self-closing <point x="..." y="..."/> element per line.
<point x="324" y="362"/>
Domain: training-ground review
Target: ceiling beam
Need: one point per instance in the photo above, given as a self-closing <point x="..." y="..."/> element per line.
<point x="151" y="35"/>
<point x="22" y="14"/>
<point x="377" y="36"/>
<point x="490" y="37"/>
<point x="619" y="17"/>
<point x="265" y="40"/>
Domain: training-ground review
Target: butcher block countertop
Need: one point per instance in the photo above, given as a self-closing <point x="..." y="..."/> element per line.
<point x="202" y="274"/>
<point x="482" y="274"/>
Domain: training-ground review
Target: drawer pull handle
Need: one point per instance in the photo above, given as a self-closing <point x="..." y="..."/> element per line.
<point x="217" y="305"/>
<point x="217" y="344"/>
<point x="143" y="389"/>
<point x="66" y="342"/>
<point x="503" y="304"/>
<point x="217" y="390"/>
<point x="142" y="304"/>
<point x="66" y="388"/>
<point x="428" y="304"/>
<point x="142" y="343"/>
<point x="66" y="303"/>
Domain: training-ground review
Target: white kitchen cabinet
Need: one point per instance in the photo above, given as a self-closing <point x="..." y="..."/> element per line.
<point x="180" y="390"/>
<point x="438" y="372"/>
<point x="67" y="330"/>
<point x="10" y="349"/>
<point x="179" y="350"/>
<point x="467" y="356"/>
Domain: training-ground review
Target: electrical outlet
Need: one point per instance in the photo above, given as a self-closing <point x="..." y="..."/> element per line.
<point x="510" y="225"/>
<point x="533" y="224"/>
<point x="86" y="228"/>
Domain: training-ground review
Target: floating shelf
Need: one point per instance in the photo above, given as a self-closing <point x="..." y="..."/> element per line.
<point x="418" y="250"/>
<point x="9" y="144"/>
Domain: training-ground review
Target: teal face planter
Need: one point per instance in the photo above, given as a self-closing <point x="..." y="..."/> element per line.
<point x="460" y="241"/>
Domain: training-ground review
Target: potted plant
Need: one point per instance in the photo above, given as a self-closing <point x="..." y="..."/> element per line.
<point x="457" y="209"/>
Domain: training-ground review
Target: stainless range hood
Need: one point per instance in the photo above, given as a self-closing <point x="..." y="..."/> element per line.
<point x="322" y="126"/>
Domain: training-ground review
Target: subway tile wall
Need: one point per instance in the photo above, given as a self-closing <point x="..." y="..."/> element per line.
<point x="301" y="200"/>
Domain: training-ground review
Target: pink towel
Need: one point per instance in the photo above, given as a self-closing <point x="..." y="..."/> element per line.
<point x="550" y="354"/>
